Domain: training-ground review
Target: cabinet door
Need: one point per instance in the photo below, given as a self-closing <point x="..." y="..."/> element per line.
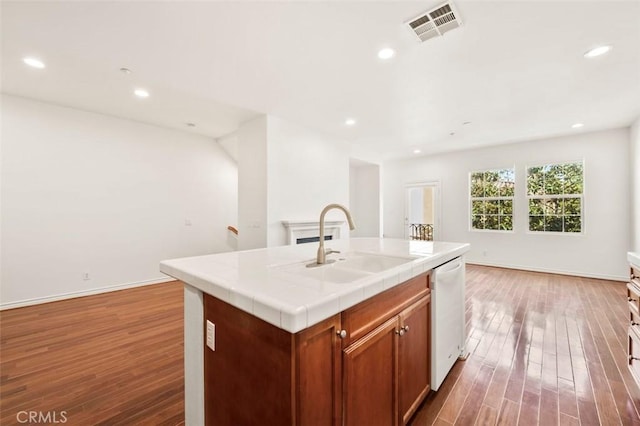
<point x="413" y="358"/>
<point x="319" y="374"/>
<point x="369" y="378"/>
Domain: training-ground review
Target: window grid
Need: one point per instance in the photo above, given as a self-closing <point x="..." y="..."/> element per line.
<point x="491" y="201"/>
<point x="555" y="197"/>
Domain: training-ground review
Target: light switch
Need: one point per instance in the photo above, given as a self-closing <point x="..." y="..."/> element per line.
<point x="211" y="335"/>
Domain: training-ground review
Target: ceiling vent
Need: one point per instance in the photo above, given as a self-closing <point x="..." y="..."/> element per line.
<point x="435" y="22"/>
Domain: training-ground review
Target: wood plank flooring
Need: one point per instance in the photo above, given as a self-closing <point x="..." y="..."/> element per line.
<point x="110" y="359"/>
<point x="544" y="350"/>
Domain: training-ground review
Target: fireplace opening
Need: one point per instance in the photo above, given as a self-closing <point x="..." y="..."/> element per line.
<point x="313" y="239"/>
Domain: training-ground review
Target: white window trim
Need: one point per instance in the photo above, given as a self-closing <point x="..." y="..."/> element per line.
<point x="581" y="196"/>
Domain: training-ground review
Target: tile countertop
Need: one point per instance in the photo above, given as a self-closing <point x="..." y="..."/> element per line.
<point x="257" y="281"/>
<point x="634" y="258"/>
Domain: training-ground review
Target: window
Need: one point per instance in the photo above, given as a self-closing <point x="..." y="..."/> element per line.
<point x="492" y="199"/>
<point x="555" y="197"/>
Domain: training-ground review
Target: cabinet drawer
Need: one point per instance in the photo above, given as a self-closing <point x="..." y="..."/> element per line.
<point x="364" y="317"/>
<point x="633" y="296"/>
<point x="634" y="276"/>
<point x="634" y="353"/>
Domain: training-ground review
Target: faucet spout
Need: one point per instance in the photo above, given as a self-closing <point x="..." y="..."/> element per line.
<point x="322" y="255"/>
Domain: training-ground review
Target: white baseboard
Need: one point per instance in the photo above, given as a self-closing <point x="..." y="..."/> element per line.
<point x="54" y="298"/>
<point x="552" y="271"/>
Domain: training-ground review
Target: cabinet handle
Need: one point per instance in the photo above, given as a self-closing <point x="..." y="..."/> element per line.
<point x="406" y="328"/>
<point x="633" y="358"/>
<point x="634" y="323"/>
<point x="400" y="332"/>
<point x="632" y="300"/>
<point x="342" y="333"/>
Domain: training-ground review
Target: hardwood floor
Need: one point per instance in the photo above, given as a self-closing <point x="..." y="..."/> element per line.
<point x="110" y="359"/>
<point x="544" y="349"/>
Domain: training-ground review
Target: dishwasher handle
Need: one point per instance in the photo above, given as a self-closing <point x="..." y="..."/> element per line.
<point x="449" y="267"/>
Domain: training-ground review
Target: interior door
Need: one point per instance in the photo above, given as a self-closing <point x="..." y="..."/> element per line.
<point x="422" y="211"/>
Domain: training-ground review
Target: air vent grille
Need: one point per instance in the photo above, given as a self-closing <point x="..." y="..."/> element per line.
<point x="435" y="22"/>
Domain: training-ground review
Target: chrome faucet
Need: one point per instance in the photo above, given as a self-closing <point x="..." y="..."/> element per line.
<point x="322" y="254"/>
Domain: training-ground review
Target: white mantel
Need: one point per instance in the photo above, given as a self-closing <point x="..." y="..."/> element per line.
<point x="310" y="228"/>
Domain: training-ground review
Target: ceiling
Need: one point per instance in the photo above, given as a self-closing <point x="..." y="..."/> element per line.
<point x="515" y="69"/>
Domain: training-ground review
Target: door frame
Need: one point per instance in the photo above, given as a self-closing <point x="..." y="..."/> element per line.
<point x="437" y="210"/>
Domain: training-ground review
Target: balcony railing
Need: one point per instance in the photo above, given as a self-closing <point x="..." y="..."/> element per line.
<point x="421" y="231"/>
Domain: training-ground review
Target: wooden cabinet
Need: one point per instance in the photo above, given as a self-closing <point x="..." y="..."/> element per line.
<point x="633" y="339"/>
<point x="261" y="374"/>
<point x="386" y="372"/>
<point x="370" y="377"/>
<point x="414" y="358"/>
<point x="366" y="365"/>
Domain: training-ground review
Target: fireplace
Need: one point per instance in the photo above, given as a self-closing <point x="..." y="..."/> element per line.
<point x="301" y="232"/>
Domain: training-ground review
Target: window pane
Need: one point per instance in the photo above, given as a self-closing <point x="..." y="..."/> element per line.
<point x="507" y="182"/>
<point x="491" y="184"/>
<point x="491" y="222"/>
<point x="506" y="207"/>
<point x="492" y="207"/>
<point x="553" y="223"/>
<point x="572" y="224"/>
<point x="536" y="207"/>
<point x="572" y="206"/>
<point x="476" y="185"/>
<point x="477" y="207"/>
<point x="535" y="179"/>
<point x="506" y="223"/>
<point x="573" y="178"/>
<point x="536" y="223"/>
<point x="554" y="180"/>
<point x="477" y="222"/>
<point x="553" y="206"/>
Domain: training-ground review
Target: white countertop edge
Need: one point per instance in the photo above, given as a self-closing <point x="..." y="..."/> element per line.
<point x="294" y="318"/>
<point x="634" y="258"/>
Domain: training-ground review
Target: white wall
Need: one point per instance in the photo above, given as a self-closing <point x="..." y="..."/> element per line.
<point x="635" y="180"/>
<point x="252" y="184"/>
<point x="365" y="200"/>
<point x="84" y="192"/>
<point x="306" y="171"/>
<point x="599" y="252"/>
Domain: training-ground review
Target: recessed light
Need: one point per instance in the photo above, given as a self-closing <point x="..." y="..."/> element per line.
<point x="577" y="125"/>
<point x="33" y="62"/>
<point x="190" y="124"/>
<point x="350" y="121"/>
<point x="125" y="70"/>
<point x="141" y="93"/>
<point x="386" y="53"/>
<point x="597" y="51"/>
<point x="416" y="151"/>
<point x="452" y="133"/>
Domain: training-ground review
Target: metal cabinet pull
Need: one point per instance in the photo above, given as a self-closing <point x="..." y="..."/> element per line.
<point x="633" y="358"/>
<point x="342" y="333"/>
<point x="400" y="332"/>
<point x="631" y="300"/>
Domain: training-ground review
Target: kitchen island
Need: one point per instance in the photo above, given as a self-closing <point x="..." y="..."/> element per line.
<point x="268" y="339"/>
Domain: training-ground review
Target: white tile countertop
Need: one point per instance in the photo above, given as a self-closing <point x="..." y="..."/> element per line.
<point x="634" y="258"/>
<point x="263" y="282"/>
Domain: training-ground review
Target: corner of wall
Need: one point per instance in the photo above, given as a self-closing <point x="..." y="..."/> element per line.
<point x="634" y="141"/>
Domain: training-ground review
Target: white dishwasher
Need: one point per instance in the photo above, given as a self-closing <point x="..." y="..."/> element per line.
<point x="448" y="335"/>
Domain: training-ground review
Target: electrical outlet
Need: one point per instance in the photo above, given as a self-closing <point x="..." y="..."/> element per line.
<point x="85" y="276"/>
<point x="211" y="335"/>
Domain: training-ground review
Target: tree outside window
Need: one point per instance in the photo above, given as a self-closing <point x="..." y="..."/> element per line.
<point x="492" y="193"/>
<point x="555" y="193"/>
